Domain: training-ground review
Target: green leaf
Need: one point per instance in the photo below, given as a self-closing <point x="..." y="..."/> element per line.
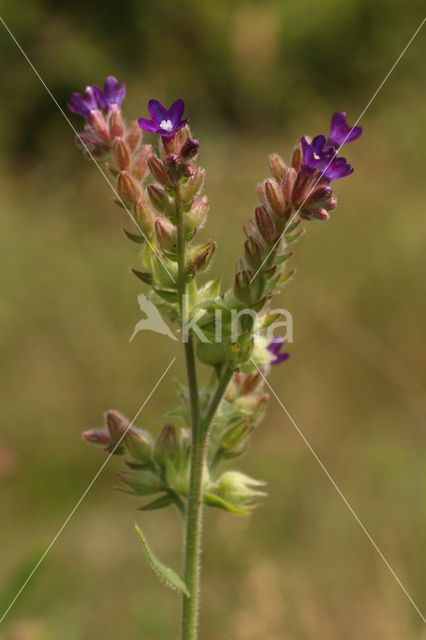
<point x="164" y="501"/>
<point x="161" y="502"/>
<point x="170" y="577"/>
<point x="134" y="237"/>
<point x="214" y="501"/>
<point x="143" y="275"/>
<point x="167" y="295"/>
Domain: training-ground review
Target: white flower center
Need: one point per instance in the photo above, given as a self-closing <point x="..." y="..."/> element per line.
<point x="167" y="125"/>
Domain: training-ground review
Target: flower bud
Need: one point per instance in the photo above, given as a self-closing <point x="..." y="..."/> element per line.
<point x="116" y="124"/>
<point x="144" y="217"/>
<point x="95" y="436"/>
<point x="193" y="185"/>
<point x="134" y="136"/>
<point x="139" y="444"/>
<point x="261" y="194"/>
<point x="141" y="482"/>
<point x="166" y="235"/>
<point x="197" y="214"/>
<point x="121" y="154"/>
<point x="248" y="382"/>
<point x="296" y="160"/>
<point x="189" y="149"/>
<point x="159" y="198"/>
<point x="250" y="229"/>
<point x="129" y="188"/>
<point x="274" y="196"/>
<point x="173" y="167"/>
<point x="253" y="252"/>
<point x="158" y="170"/>
<point x="288" y="185"/>
<point x="277" y="166"/>
<point x="116" y="424"/>
<point x="188" y="170"/>
<point x="319" y="193"/>
<point x="239" y="352"/>
<point x="199" y="257"/>
<point x="234" y="440"/>
<point x="166" y="444"/>
<point x="140" y="165"/>
<point x="99" y="124"/>
<point x="238" y="489"/>
<point x="252" y="403"/>
<point x="242" y="287"/>
<point x="265" y="224"/>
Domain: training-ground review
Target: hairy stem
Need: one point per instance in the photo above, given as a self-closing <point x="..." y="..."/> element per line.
<point x="199" y="427"/>
<point x="194" y="510"/>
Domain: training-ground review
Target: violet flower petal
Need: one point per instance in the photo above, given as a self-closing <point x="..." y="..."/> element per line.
<point x="157" y="111"/>
<point x="175" y="112"/>
<point x="340" y="132"/>
<point x="148" y="125"/>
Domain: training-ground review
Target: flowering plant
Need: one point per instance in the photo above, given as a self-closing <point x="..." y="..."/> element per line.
<point x="161" y="190"/>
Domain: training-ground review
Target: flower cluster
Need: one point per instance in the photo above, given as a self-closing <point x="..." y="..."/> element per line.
<point x="162" y="190"/>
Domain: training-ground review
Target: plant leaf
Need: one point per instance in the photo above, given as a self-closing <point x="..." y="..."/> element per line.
<point x="134" y="237"/>
<point x="161" y="502"/>
<point x="214" y="501"/>
<point x="170" y="577"/>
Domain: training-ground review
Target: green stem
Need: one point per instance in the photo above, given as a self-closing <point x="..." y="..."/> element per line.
<point x="194" y="511"/>
<point x="199" y="429"/>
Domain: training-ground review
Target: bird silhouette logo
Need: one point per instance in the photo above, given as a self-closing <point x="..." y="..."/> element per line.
<point x="153" y="321"/>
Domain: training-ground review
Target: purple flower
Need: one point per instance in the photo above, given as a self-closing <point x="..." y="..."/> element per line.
<point x="274" y="348"/>
<point x="318" y="156"/>
<point x="113" y="94"/>
<point x="340" y="131"/>
<point x="83" y="105"/>
<point x="321" y="154"/>
<point x="164" y="121"/>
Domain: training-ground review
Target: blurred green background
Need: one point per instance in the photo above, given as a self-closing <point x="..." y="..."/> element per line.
<point x="255" y="76"/>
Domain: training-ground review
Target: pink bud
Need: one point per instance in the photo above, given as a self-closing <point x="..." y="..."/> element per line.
<point x="199" y="257"/>
<point x="277" y="166"/>
<point x="140" y="165"/>
<point x="274" y="196"/>
<point x="144" y="217"/>
<point x="116" y="124"/>
<point x="159" y="198"/>
<point x="158" y="170"/>
<point x="121" y="154"/>
<point x="129" y="188"/>
<point x="165" y="233"/>
<point x="97" y="437"/>
<point x="197" y="215"/>
<point x="265" y="224"/>
<point x="288" y="185"/>
<point x="98" y="123"/>
<point x="134" y="136"/>
<point x="296" y="161"/>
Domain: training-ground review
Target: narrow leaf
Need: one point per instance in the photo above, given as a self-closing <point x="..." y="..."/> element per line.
<point x="142" y="275"/>
<point x="214" y="501"/>
<point x="161" y="502"/>
<point x="170" y="577"/>
<point x="167" y="295"/>
<point x="134" y="237"/>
